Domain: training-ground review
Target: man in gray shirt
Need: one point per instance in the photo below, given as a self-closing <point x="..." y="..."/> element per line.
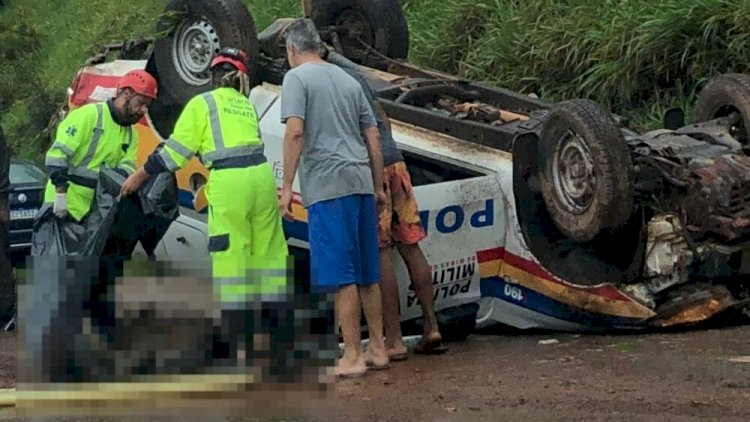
<point x="340" y="175"/>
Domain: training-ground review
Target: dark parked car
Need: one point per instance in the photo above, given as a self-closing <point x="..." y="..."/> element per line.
<point x="26" y="196"/>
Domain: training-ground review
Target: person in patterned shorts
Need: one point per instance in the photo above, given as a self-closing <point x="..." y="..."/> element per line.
<point x="399" y="226"/>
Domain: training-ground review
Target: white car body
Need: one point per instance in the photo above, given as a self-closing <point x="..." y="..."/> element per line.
<point x="474" y="243"/>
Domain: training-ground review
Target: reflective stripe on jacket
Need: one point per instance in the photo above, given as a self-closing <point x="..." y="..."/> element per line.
<point x="218" y="125"/>
<point x="221" y="127"/>
<point x="87" y="139"/>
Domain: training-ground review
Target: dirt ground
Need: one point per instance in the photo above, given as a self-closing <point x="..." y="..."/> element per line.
<point x="509" y="375"/>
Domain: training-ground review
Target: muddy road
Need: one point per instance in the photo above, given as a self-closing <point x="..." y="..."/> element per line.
<point x="508" y="375"/>
<point x="681" y="376"/>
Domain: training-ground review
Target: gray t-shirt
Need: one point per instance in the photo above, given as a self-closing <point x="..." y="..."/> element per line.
<point x="334" y="161"/>
<point x="391" y="153"/>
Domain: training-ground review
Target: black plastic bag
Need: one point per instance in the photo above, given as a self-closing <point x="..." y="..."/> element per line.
<point x="144" y="217"/>
<point x="159" y="196"/>
<point x="54" y="236"/>
<point x="74" y="283"/>
<point x="114" y="225"/>
<point x="159" y="203"/>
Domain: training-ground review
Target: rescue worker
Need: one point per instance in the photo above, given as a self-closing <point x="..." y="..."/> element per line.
<point x="90" y="137"/>
<point x="244" y="223"/>
<point x="93" y="135"/>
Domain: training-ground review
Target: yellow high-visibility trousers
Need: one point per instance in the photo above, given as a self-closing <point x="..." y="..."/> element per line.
<point x="248" y="250"/>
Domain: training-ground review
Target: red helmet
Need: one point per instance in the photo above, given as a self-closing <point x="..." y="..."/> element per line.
<point x="233" y="56"/>
<point x="141" y="82"/>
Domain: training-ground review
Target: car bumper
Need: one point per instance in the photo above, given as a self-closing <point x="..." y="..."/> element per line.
<point x="19" y="239"/>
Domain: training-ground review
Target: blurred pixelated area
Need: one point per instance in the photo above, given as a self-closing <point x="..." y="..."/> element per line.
<point x="155" y="333"/>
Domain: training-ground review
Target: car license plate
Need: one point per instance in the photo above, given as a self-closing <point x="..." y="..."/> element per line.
<point x="23" y="214"/>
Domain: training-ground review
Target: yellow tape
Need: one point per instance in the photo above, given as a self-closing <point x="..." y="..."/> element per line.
<point x="158" y="387"/>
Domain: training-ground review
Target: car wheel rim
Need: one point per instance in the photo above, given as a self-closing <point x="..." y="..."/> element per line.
<point x="195" y="44"/>
<point x="573" y="170"/>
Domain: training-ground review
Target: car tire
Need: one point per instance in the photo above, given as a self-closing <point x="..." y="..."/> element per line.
<point x="381" y="22"/>
<point x="165" y="110"/>
<point x="723" y="95"/>
<point x="213" y="24"/>
<point x="599" y="195"/>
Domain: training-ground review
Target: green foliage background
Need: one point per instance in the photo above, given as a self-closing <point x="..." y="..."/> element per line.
<point x="636" y="57"/>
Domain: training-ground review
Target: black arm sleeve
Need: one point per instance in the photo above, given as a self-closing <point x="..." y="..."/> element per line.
<point x="154" y="164"/>
<point x="58" y="176"/>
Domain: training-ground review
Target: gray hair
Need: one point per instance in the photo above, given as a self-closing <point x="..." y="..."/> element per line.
<point x="303" y="36"/>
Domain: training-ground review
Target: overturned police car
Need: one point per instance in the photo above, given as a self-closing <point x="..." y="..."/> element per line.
<point x="538" y="215"/>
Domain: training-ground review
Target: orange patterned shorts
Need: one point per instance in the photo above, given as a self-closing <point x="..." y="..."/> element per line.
<point x="398" y="220"/>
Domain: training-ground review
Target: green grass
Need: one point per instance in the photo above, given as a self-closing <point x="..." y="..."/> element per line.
<point x="42" y="44"/>
<point x="635" y="57"/>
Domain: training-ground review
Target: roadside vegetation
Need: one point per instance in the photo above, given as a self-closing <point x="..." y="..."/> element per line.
<point x="635" y="57"/>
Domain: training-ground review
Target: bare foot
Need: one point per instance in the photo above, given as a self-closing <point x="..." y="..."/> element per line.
<point x="348" y="367"/>
<point x="430" y="343"/>
<point x="396" y="349"/>
<point x="397" y="352"/>
<point x="376" y="358"/>
<point x="433" y="337"/>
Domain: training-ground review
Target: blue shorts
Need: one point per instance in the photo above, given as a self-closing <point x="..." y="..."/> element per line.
<point x="343" y="235"/>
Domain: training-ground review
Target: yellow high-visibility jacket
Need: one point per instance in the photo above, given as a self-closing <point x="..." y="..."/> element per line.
<point x="218" y="125"/>
<point x="87" y="139"/>
<point x="221" y="127"/>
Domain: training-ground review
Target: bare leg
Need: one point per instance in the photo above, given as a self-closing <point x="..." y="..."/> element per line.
<point x="421" y="278"/>
<point x="347" y="305"/>
<point x="373" y="307"/>
<point x="394" y="343"/>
